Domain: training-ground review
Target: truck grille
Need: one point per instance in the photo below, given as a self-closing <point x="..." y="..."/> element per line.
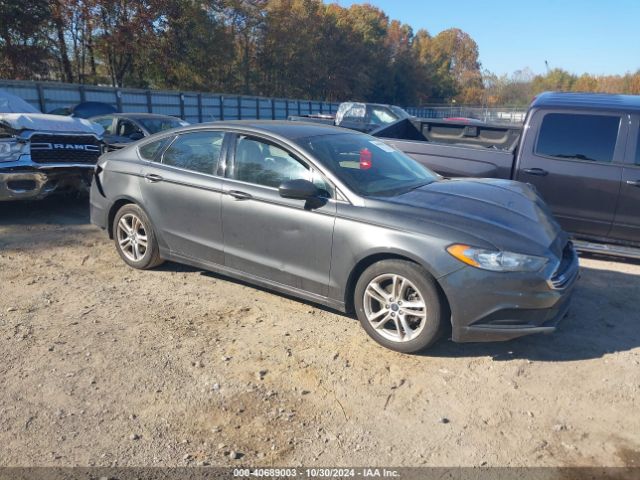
<point x="567" y="270"/>
<point x="65" y="148"/>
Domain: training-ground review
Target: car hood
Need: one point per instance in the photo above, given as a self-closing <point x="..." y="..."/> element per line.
<point x="507" y="214"/>
<point x="49" y="123"/>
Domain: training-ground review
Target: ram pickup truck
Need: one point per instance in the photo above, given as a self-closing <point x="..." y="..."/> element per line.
<point x="581" y="152"/>
<point x="363" y="117"/>
<point x="42" y="154"/>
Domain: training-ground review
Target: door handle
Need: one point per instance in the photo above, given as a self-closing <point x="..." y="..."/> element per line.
<point x="633" y="183"/>
<point x="535" y="171"/>
<point x="238" y="195"/>
<point x="153" y="178"/>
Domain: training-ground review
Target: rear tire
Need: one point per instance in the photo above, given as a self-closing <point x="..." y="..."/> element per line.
<point x="134" y="238"/>
<point x="400" y="306"/>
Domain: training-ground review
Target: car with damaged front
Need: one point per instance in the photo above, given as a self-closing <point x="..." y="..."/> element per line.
<point x="41" y="154"/>
<point x="340" y="218"/>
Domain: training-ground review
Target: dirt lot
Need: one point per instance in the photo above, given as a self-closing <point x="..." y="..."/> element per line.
<point x="104" y="365"/>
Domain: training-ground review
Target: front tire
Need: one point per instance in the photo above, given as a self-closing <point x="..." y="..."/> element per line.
<point x="134" y="238"/>
<point x="399" y="305"/>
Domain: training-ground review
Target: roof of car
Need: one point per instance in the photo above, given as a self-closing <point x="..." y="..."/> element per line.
<point x="136" y="115"/>
<point x="284" y="128"/>
<point x="590" y="101"/>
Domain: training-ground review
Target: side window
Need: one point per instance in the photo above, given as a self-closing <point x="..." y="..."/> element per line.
<point x="149" y="150"/>
<point x="579" y="137"/>
<point x="106" y="123"/>
<point x="196" y="151"/>
<point x="382" y="116"/>
<point x="266" y="164"/>
<point x="126" y="128"/>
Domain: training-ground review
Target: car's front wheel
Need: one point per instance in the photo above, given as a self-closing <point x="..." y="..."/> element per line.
<point x="134" y="238"/>
<point x="399" y="305"/>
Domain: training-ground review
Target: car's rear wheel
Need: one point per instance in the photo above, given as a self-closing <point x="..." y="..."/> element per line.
<point x="399" y="305"/>
<point x="134" y="238"/>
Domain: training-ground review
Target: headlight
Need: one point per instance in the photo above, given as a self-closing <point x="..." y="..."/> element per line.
<point x="496" y="261"/>
<point x="10" y="150"/>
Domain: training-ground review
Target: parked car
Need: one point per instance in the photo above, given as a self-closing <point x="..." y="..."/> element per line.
<point x="363" y="117"/>
<point x="339" y="218"/>
<point x="581" y="151"/>
<point x="42" y="154"/>
<point x="123" y="128"/>
<point x="85" y="110"/>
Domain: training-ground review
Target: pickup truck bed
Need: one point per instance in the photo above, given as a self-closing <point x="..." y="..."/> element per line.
<point x="456" y="149"/>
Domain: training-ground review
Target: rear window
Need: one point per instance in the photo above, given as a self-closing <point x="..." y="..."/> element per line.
<point x="578" y="137"/>
<point x="149" y="150"/>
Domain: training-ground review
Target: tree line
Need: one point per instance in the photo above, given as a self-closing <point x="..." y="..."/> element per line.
<point x="277" y="48"/>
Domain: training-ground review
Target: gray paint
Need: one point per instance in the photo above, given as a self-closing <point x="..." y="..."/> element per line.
<point x="315" y="253"/>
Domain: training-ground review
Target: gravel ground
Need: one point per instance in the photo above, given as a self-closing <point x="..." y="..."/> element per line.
<point x="104" y="365"/>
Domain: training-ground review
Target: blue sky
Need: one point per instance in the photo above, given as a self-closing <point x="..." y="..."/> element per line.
<point x="598" y="37"/>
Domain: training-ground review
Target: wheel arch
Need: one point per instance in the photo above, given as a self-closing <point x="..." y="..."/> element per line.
<point x="372" y="258"/>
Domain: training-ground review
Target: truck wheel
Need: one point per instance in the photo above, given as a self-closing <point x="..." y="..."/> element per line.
<point x="134" y="238"/>
<point x="399" y="306"/>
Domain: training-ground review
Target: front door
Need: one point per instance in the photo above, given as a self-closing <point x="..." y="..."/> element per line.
<point x="267" y="236"/>
<point x="576" y="164"/>
<point x="183" y="196"/>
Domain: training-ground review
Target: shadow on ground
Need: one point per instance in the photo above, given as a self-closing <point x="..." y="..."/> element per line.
<point x="603" y="318"/>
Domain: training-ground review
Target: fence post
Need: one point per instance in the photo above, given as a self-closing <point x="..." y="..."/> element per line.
<point x="149" y="104"/>
<point x="41" y="100"/>
<point x="221" y="107"/>
<point x="273" y="109"/>
<point x="118" y="99"/>
<point x="239" y="108"/>
<point x="286" y="109"/>
<point x="83" y="94"/>
<point x="299" y="111"/>
<point x="258" y="108"/>
<point x="310" y="108"/>
<point x="181" y="105"/>
<point x="200" y="108"/>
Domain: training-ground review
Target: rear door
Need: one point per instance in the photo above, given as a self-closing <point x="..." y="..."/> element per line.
<point x="182" y="194"/>
<point x="626" y="225"/>
<point x="575" y="162"/>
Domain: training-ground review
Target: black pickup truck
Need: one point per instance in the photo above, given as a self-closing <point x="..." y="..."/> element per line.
<point x="581" y="151"/>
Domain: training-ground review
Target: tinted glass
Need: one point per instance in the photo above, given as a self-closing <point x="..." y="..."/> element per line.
<point x="367" y="165"/>
<point x="155" y="125"/>
<point x="579" y="137"/>
<point x="106" y="123"/>
<point x="198" y="151"/>
<point x="126" y="128"/>
<point x="149" y="150"/>
<point x="266" y="164"/>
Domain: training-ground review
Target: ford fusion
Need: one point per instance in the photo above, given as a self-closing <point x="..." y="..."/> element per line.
<point x="340" y="218"/>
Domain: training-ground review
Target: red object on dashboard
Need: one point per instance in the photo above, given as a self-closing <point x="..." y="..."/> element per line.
<point x="365" y="159"/>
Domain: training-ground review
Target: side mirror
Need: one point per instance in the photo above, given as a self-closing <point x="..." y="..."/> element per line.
<point x="136" y="136"/>
<point x="298" y="189"/>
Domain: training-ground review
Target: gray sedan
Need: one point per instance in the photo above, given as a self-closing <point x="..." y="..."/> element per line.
<point x="341" y="219"/>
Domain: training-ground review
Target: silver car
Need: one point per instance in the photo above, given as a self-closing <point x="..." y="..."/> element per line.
<point x="342" y="219"/>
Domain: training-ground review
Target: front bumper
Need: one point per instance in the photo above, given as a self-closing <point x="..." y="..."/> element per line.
<point x="34" y="181"/>
<point x="493" y="306"/>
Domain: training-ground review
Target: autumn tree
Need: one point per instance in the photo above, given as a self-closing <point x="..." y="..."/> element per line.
<point x="23" y="38"/>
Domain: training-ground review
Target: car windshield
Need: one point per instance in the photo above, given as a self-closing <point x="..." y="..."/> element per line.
<point x="367" y="165"/>
<point x="155" y="125"/>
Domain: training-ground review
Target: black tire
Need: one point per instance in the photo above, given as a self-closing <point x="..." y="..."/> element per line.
<point x="150" y="257"/>
<point x="418" y="280"/>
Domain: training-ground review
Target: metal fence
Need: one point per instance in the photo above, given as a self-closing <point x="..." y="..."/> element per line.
<point x="486" y="114"/>
<point x="197" y="107"/>
<point x="191" y="106"/>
